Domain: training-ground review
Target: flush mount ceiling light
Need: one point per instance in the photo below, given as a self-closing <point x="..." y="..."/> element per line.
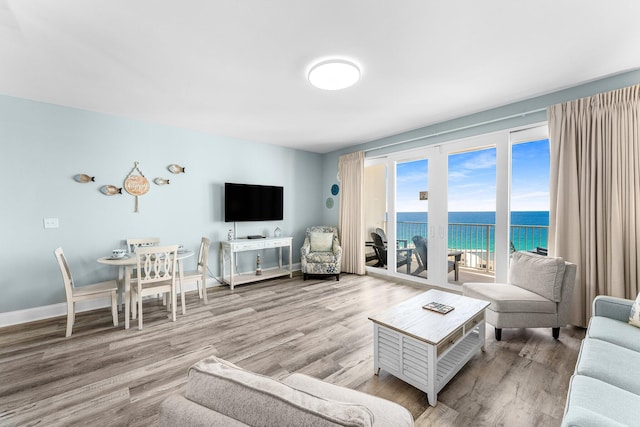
<point x="334" y="74"/>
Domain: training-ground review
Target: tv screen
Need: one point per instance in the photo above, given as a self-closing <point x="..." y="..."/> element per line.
<point x="246" y="202"/>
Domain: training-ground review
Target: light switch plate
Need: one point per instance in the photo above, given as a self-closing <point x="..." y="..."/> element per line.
<point x="51" y="223"/>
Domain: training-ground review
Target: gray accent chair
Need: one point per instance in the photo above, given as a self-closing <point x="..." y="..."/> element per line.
<point x="321" y="253"/>
<point x="538" y="294"/>
<point x="219" y="393"/>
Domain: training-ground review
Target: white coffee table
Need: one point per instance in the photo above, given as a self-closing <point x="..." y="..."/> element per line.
<point x="424" y="348"/>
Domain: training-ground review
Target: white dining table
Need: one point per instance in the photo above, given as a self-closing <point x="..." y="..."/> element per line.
<point x="126" y="265"/>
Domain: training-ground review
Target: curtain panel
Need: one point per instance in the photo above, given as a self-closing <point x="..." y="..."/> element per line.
<point x="595" y="194"/>
<point x="351" y="216"/>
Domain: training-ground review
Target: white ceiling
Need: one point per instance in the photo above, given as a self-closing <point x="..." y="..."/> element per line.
<point x="238" y="67"/>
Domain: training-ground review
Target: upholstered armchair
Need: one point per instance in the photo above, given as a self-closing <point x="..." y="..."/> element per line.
<point x="321" y="253"/>
<point x="537" y="295"/>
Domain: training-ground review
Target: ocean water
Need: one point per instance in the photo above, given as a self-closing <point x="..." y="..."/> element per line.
<point x="517" y="218"/>
<point x="475" y="230"/>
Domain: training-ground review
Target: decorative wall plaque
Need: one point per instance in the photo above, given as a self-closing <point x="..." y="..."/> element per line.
<point x="136" y="185"/>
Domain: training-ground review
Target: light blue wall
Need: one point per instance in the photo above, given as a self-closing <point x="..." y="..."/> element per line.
<point x="505" y="117"/>
<point x="43" y="146"/>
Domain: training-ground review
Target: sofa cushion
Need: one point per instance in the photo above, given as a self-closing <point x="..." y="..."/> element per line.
<point x="321" y="242"/>
<point x="506" y="298"/>
<point x="615" y="332"/>
<point x="540" y="274"/>
<point x="592" y="402"/>
<point x="594" y="358"/>
<point x="258" y="400"/>
<point x="634" y="316"/>
<point x="385" y="412"/>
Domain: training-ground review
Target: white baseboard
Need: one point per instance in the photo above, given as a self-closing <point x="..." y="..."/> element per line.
<point x="55" y="310"/>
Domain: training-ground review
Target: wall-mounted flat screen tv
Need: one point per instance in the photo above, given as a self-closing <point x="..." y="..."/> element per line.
<point x="247" y="202"/>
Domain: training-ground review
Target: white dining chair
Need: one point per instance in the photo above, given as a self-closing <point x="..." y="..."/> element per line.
<point x="200" y="273"/>
<point x="156" y="269"/>
<point x="83" y="293"/>
<point x="132" y="246"/>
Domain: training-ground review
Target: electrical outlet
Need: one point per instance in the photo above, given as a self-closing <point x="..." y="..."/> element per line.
<point x="51" y="223"/>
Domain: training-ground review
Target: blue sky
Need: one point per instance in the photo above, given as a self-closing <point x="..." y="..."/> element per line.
<point x="472" y="180"/>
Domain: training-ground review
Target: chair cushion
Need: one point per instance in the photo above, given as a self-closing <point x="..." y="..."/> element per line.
<point x="634" y="315"/>
<point x="592" y="362"/>
<point x="615" y="332"/>
<point x="258" y="400"/>
<point x="505" y="298"/>
<point x="537" y="273"/>
<point x="321" y="242"/>
<point x="321" y="257"/>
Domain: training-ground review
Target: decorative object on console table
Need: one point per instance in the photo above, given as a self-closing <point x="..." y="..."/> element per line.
<point x="230" y="235"/>
<point x="277" y="232"/>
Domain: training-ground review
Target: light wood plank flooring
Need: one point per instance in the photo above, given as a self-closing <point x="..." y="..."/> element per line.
<point x="103" y="375"/>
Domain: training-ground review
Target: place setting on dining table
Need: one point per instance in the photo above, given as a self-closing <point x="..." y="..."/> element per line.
<point x="151" y="257"/>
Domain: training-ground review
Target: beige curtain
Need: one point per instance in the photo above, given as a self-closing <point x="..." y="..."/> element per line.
<point x="351" y="222"/>
<point x="595" y="194"/>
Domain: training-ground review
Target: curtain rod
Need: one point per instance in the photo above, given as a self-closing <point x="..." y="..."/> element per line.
<point x="431" y="135"/>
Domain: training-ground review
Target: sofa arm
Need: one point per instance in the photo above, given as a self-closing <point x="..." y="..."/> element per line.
<point x="612" y="307"/>
<point x="177" y="410"/>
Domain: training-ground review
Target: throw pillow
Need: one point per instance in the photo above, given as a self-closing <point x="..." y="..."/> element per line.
<point x="537" y="273"/>
<point x="634" y="316"/>
<point x="321" y="242"/>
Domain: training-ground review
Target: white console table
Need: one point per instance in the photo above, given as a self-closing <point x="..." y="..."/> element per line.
<point x="230" y="248"/>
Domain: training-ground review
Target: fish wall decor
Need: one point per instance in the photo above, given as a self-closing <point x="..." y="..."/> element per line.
<point x="161" y="181"/>
<point x="110" y="190"/>
<point x="176" y="168"/>
<point x="84" y="178"/>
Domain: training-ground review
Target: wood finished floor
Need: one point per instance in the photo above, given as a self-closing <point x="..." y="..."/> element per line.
<point x="108" y="376"/>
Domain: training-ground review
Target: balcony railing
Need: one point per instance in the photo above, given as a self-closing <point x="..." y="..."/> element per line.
<point x="476" y="241"/>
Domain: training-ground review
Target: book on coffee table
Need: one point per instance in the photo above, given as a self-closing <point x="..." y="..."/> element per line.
<point x="438" y="307"/>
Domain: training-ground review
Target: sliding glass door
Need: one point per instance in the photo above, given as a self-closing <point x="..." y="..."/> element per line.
<point x="471" y="191"/>
<point x="448" y="210"/>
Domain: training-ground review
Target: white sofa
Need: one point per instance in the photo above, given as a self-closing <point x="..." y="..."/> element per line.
<point x="219" y="393"/>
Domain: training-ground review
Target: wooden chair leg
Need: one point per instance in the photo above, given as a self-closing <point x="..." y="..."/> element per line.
<point x="498" y="334"/>
<point x="184" y="308"/>
<point x="70" y="318"/>
<point x="114" y="307"/>
<point x="134" y="304"/>
<point x="204" y="289"/>
<point x="140" y="312"/>
<point x="556" y="333"/>
<point x="174" y="299"/>
<point x="337" y="277"/>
